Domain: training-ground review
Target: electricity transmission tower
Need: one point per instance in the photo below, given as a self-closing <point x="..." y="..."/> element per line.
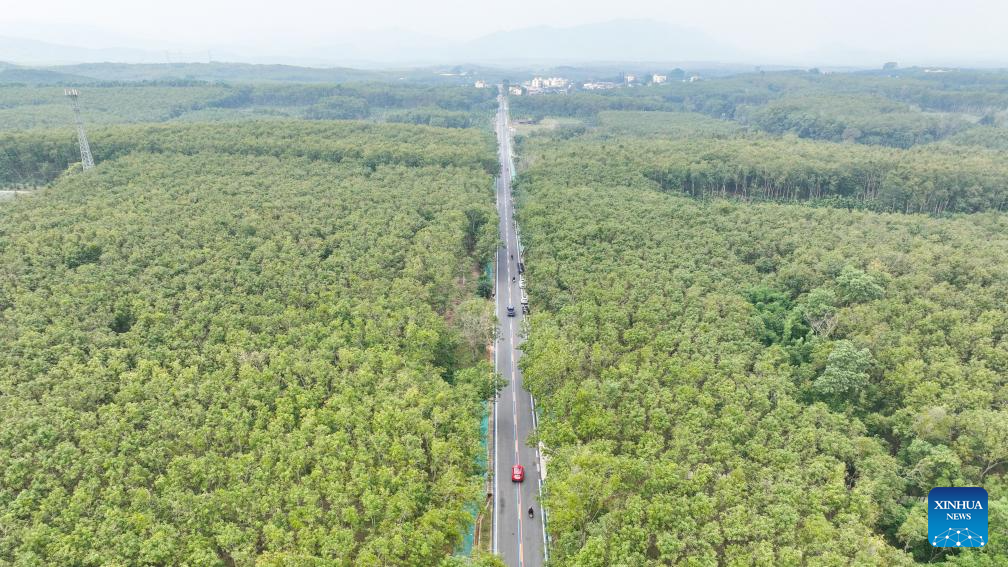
<point x="87" y="162"/>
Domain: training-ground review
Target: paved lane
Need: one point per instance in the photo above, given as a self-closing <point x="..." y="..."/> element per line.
<point x="517" y="538"/>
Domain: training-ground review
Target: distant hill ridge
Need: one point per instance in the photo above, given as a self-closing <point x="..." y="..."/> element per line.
<point x="616" y="40"/>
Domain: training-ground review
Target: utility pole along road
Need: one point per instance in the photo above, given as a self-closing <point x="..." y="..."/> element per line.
<point x="518" y="539"/>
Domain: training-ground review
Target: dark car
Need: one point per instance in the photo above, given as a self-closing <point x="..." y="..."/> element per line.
<point x="511" y="311"/>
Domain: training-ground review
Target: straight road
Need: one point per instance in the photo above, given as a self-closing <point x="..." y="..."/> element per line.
<point x="518" y="539"/>
<point x="4" y="194"/>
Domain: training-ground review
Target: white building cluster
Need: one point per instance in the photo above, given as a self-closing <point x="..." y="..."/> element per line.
<point x="540" y="85"/>
<point x="599" y="86"/>
<point x="549" y="83"/>
<point x="544" y="85"/>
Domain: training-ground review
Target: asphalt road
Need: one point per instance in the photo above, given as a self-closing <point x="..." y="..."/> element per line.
<point x="11" y="194"/>
<point x="518" y="539"/>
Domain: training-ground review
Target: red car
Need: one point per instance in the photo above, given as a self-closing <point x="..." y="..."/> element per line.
<point x="517" y="473"/>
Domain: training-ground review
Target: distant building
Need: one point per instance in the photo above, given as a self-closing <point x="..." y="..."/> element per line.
<point x="539" y="85"/>
<point x="659" y="79"/>
<point x="598" y="86"/>
<point x="629" y="79"/>
<point x="515" y="90"/>
<point x="481" y="84"/>
<point x="694" y="78"/>
<point x="555" y="83"/>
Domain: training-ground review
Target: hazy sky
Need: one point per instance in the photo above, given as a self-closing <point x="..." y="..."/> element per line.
<point x="911" y="29"/>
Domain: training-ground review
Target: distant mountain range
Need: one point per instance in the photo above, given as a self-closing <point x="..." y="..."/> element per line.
<point x="96" y="72"/>
<point x="33" y="52"/>
<point x="614" y="41"/>
<point x="619" y="40"/>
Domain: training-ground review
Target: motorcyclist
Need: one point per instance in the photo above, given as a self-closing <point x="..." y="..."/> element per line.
<point x="512" y="279"/>
<point x="531" y="512"/>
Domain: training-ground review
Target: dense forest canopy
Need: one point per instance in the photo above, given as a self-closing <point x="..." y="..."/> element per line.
<point x="862" y="119"/>
<point x="614" y="124"/>
<point x="728" y="381"/>
<point x="722" y="381"/>
<point x="896" y="142"/>
<point x="217" y="354"/>
<point x="769" y="316"/>
<point x="985" y="136"/>
<point x="97" y="73"/>
<point x="896" y="108"/>
<point x="922" y="179"/>
<point x="25" y="107"/>
<point x="39" y="156"/>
